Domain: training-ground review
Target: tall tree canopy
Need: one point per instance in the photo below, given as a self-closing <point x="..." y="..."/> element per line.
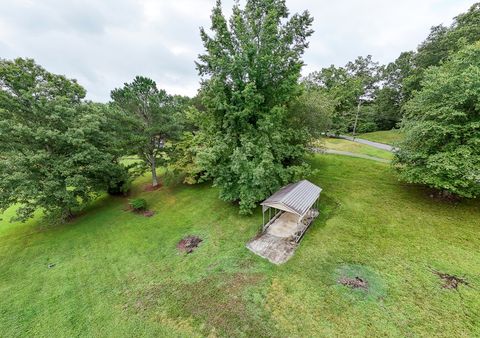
<point x="391" y="95"/>
<point x="441" y="43"/>
<point x="313" y="110"/>
<point x="250" y="73"/>
<point x="57" y="151"/>
<point x="348" y="85"/>
<point x="389" y="87"/>
<point x="442" y="124"/>
<point x="150" y="117"/>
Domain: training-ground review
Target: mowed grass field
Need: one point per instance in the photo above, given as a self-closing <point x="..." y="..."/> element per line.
<point x="353" y="147"/>
<point x="119" y="274"/>
<point x="391" y="137"/>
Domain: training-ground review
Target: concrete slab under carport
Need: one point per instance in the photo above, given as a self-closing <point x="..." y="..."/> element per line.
<point x="276" y="244"/>
<point x="276" y="249"/>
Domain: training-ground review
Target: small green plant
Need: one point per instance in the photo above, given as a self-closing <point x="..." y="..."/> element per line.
<point x="138" y="204"/>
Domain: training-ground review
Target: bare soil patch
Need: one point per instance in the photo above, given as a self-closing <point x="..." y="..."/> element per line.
<point x="354" y="283"/>
<point x="188" y="244"/>
<point x="150" y="187"/>
<point x="450" y="281"/>
<point x="146" y="213"/>
<point x="444" y="196"/>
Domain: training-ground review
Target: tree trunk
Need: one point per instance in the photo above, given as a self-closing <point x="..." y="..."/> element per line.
<point x="154" y="172"/>
<point x="67" y="215"/>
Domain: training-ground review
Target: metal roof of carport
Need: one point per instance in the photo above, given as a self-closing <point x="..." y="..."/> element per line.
<point x="296" y="198"/>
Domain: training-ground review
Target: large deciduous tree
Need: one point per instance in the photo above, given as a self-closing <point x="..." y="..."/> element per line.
<point x="442" y="124"/>
<point x="250" y="73"/>
<point x="441" y="43"/>
<point x="151" y="119"/>
<point x="57" y="151"/>
<point x="348" y="85"/>
<point x="391" y="95"/>
<point x="313" y="111"/>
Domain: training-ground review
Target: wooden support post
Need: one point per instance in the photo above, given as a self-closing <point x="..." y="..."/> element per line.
<point x="263" y="218"/>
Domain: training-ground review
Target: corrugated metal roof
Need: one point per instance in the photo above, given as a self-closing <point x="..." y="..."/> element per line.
<point x="295" y="197"/>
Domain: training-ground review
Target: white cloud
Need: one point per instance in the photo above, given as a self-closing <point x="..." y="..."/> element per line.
<point x="106" y="43"/>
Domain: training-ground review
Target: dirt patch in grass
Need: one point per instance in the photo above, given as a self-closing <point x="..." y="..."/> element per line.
<point x="359" y="281"/>
<point x="149" y="187"/>
<point x="354" y="283"/>
<point x="444" y="196"/>
<point x="188" y="244"/>
<point x="148" y="213"/>
<point x="450" y="281"/>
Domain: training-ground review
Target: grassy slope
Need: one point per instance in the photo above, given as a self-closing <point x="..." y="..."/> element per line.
<point x="385" y="136"/>
<point x="353" y="147"/>
<point x="119" y="274"/>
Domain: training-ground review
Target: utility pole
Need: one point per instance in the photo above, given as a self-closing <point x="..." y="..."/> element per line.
<point x="356" y="117"/>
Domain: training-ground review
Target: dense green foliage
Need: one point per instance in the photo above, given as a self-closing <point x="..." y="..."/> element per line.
<point x="442" y="43"/>
<point x="57" y="151"/>
<point x="387" y="88"/>
<point x="348" y="87"/>
<point x="312" y="112"/>
<point x="151" y="119"/>
<point x="442" y="124"/>
<point x="403" y="77"/>
<point x="250" y="72"/>
<point x="185" y="164"/>
<point x="363" y="86"/>
<point x="116" y="274"/>
<point x="138" y="204"/>
<point x="438" y="106"/>
<point x="392" y="94"/>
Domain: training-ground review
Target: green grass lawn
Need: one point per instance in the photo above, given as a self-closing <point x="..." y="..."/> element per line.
<point x="384" y="136"/>
<point x="353" y="147"/>
<point x="119" y="274"/>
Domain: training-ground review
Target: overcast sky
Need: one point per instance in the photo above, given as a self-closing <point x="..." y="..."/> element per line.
<point x="104" y="43"/>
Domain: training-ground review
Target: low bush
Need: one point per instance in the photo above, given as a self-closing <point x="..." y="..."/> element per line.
<point x="138" y="204"/>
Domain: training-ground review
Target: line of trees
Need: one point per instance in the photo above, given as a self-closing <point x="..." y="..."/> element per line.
<point x="442" y="127"/>
<point x="152" y="118"/>
<point x="441" y="110"/>
<point x="432" y="94"/>
<point x="58" y="151"/>
<point x="385" y="89"/>
<point x="250" y="125"/>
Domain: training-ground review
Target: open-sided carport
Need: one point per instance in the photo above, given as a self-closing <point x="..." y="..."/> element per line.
<point x="287" y="214"/>
<point x="294" y="208"/>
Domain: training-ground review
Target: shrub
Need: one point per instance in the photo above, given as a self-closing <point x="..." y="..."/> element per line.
<point x="442" y="142"/>
<point x="119" y="183"/>
<point x="119" y="188"/>
<point x="366" y="127"/>
<point x="138" y="204"/>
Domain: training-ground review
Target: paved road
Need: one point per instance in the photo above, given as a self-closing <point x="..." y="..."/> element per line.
<point x="347" y="153"/>
<point x="378" y="145"/>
